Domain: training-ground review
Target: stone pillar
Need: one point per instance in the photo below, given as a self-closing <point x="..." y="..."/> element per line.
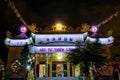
<point x="68" y="69"/>
<point x="35" y="61"/>
<point x="73" y="70"/>
<point x="46" y="70"/>
<point x="50" y="63"/>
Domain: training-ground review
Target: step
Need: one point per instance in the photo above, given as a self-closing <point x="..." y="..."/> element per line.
<point x="57" y="78"/>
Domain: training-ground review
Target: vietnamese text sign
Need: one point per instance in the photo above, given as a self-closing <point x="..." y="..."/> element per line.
<point x="54" y="49"/>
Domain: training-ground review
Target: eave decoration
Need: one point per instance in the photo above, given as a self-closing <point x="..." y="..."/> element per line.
<point x="33" y="28"/>
<point x="8" y="33"/>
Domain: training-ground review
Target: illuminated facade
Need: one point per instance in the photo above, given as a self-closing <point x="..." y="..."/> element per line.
<point x="50" y="47"/>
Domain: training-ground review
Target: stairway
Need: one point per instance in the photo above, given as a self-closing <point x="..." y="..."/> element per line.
<point x="57" y="78"/>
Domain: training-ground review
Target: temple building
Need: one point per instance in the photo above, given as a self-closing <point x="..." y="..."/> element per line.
<point x="50" y="45"/>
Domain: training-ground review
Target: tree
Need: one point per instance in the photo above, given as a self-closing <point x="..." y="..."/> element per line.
<point x="25" y="58"/>
<point x="27" y="63"/>
<point x="91" y="52"/>
<point x="24" y="63"/>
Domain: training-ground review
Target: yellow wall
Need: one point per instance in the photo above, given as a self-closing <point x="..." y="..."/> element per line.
<point x="53" y="58"/>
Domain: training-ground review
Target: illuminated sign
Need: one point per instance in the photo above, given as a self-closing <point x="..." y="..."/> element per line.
<point x="45" y="38"/>
<point x="18" y="42"/>
<point x="103" y="41"/>
<point x="44" y="49"/>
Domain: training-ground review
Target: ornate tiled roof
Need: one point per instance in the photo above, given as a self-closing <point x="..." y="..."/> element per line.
<point x="20" y="36"/>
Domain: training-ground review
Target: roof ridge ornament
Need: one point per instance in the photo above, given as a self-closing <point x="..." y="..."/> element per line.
<point x="85" y="27"/>
<point x="109" y="33"/>
<point x="59" y="27"/>
<point x="8" y="34"/>
<point x="33" y="28"/>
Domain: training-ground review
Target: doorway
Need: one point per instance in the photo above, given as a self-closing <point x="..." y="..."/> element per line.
<point x="42" y="70"/>
<point x="59" y="69"/>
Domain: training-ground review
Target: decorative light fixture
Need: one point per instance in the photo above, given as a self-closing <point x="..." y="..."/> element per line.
<point x="23" y="29"/>
<point x="28" y="67"/>
<point x="94" y="29"/>
<point x="59" y="27"/>
<point x="59" y="56"/>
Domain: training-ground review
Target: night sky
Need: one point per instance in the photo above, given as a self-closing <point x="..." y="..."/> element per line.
<point x="70" y="12"/>
<point x="47" y="12"/>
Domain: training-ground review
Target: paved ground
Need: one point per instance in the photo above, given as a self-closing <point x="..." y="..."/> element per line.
<point x="57" y="78"/>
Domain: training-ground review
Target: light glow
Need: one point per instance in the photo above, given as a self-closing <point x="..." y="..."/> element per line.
<point x="59" y="27"/>
<point x="44" y="49"/>
<point x="23" y="29"/>
<point x="59" y="37"/>
<point x="28" y="67"/>
<point x="18" y="42"/>
<point x="59" y="56"/>
<point x="104" y="41"/>
<point x="94" y="29"/>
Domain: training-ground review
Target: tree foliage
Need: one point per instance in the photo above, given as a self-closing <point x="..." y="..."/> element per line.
<point x="25" y="60"/>
<point x="91" y="52"/>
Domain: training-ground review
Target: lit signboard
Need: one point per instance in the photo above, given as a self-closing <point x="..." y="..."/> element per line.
<point x="44" y="49"/>
<point x="45" y="38"/>
<point x="18" y="42"/>
<point x="103" y="41"/>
